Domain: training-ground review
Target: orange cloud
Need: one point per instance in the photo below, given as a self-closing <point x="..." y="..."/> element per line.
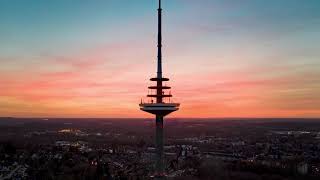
<point x="102" y="82"/>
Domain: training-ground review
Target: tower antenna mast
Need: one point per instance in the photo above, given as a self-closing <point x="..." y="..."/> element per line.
<point x="159" y="41"/>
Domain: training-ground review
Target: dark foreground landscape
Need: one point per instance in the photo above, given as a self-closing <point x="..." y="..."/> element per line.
<point x="67" y="149"/>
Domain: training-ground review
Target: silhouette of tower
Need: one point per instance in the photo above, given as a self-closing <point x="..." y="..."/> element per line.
<point x="163" y="105"/>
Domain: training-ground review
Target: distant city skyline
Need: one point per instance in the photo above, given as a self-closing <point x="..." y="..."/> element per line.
<point x="250" y="58"/>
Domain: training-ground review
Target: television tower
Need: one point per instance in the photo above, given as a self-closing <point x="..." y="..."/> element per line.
<point x="162" y="105"/>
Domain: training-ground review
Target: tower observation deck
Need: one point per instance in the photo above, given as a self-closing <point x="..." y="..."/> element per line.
<point x="160" y="101"/>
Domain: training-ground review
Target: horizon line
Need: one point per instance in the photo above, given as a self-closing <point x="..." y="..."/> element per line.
<point x="191" y="118"/>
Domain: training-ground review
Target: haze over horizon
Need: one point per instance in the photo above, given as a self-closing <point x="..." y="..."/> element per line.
<point x="225" y="58"/>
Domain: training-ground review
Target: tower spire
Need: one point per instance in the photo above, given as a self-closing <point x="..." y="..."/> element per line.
<point x="159" y="73"/>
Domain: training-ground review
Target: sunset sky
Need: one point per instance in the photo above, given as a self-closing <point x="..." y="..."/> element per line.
<point x="225" y="58"/>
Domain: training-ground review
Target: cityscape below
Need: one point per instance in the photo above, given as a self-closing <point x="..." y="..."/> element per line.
<point x="225" y="149"/>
